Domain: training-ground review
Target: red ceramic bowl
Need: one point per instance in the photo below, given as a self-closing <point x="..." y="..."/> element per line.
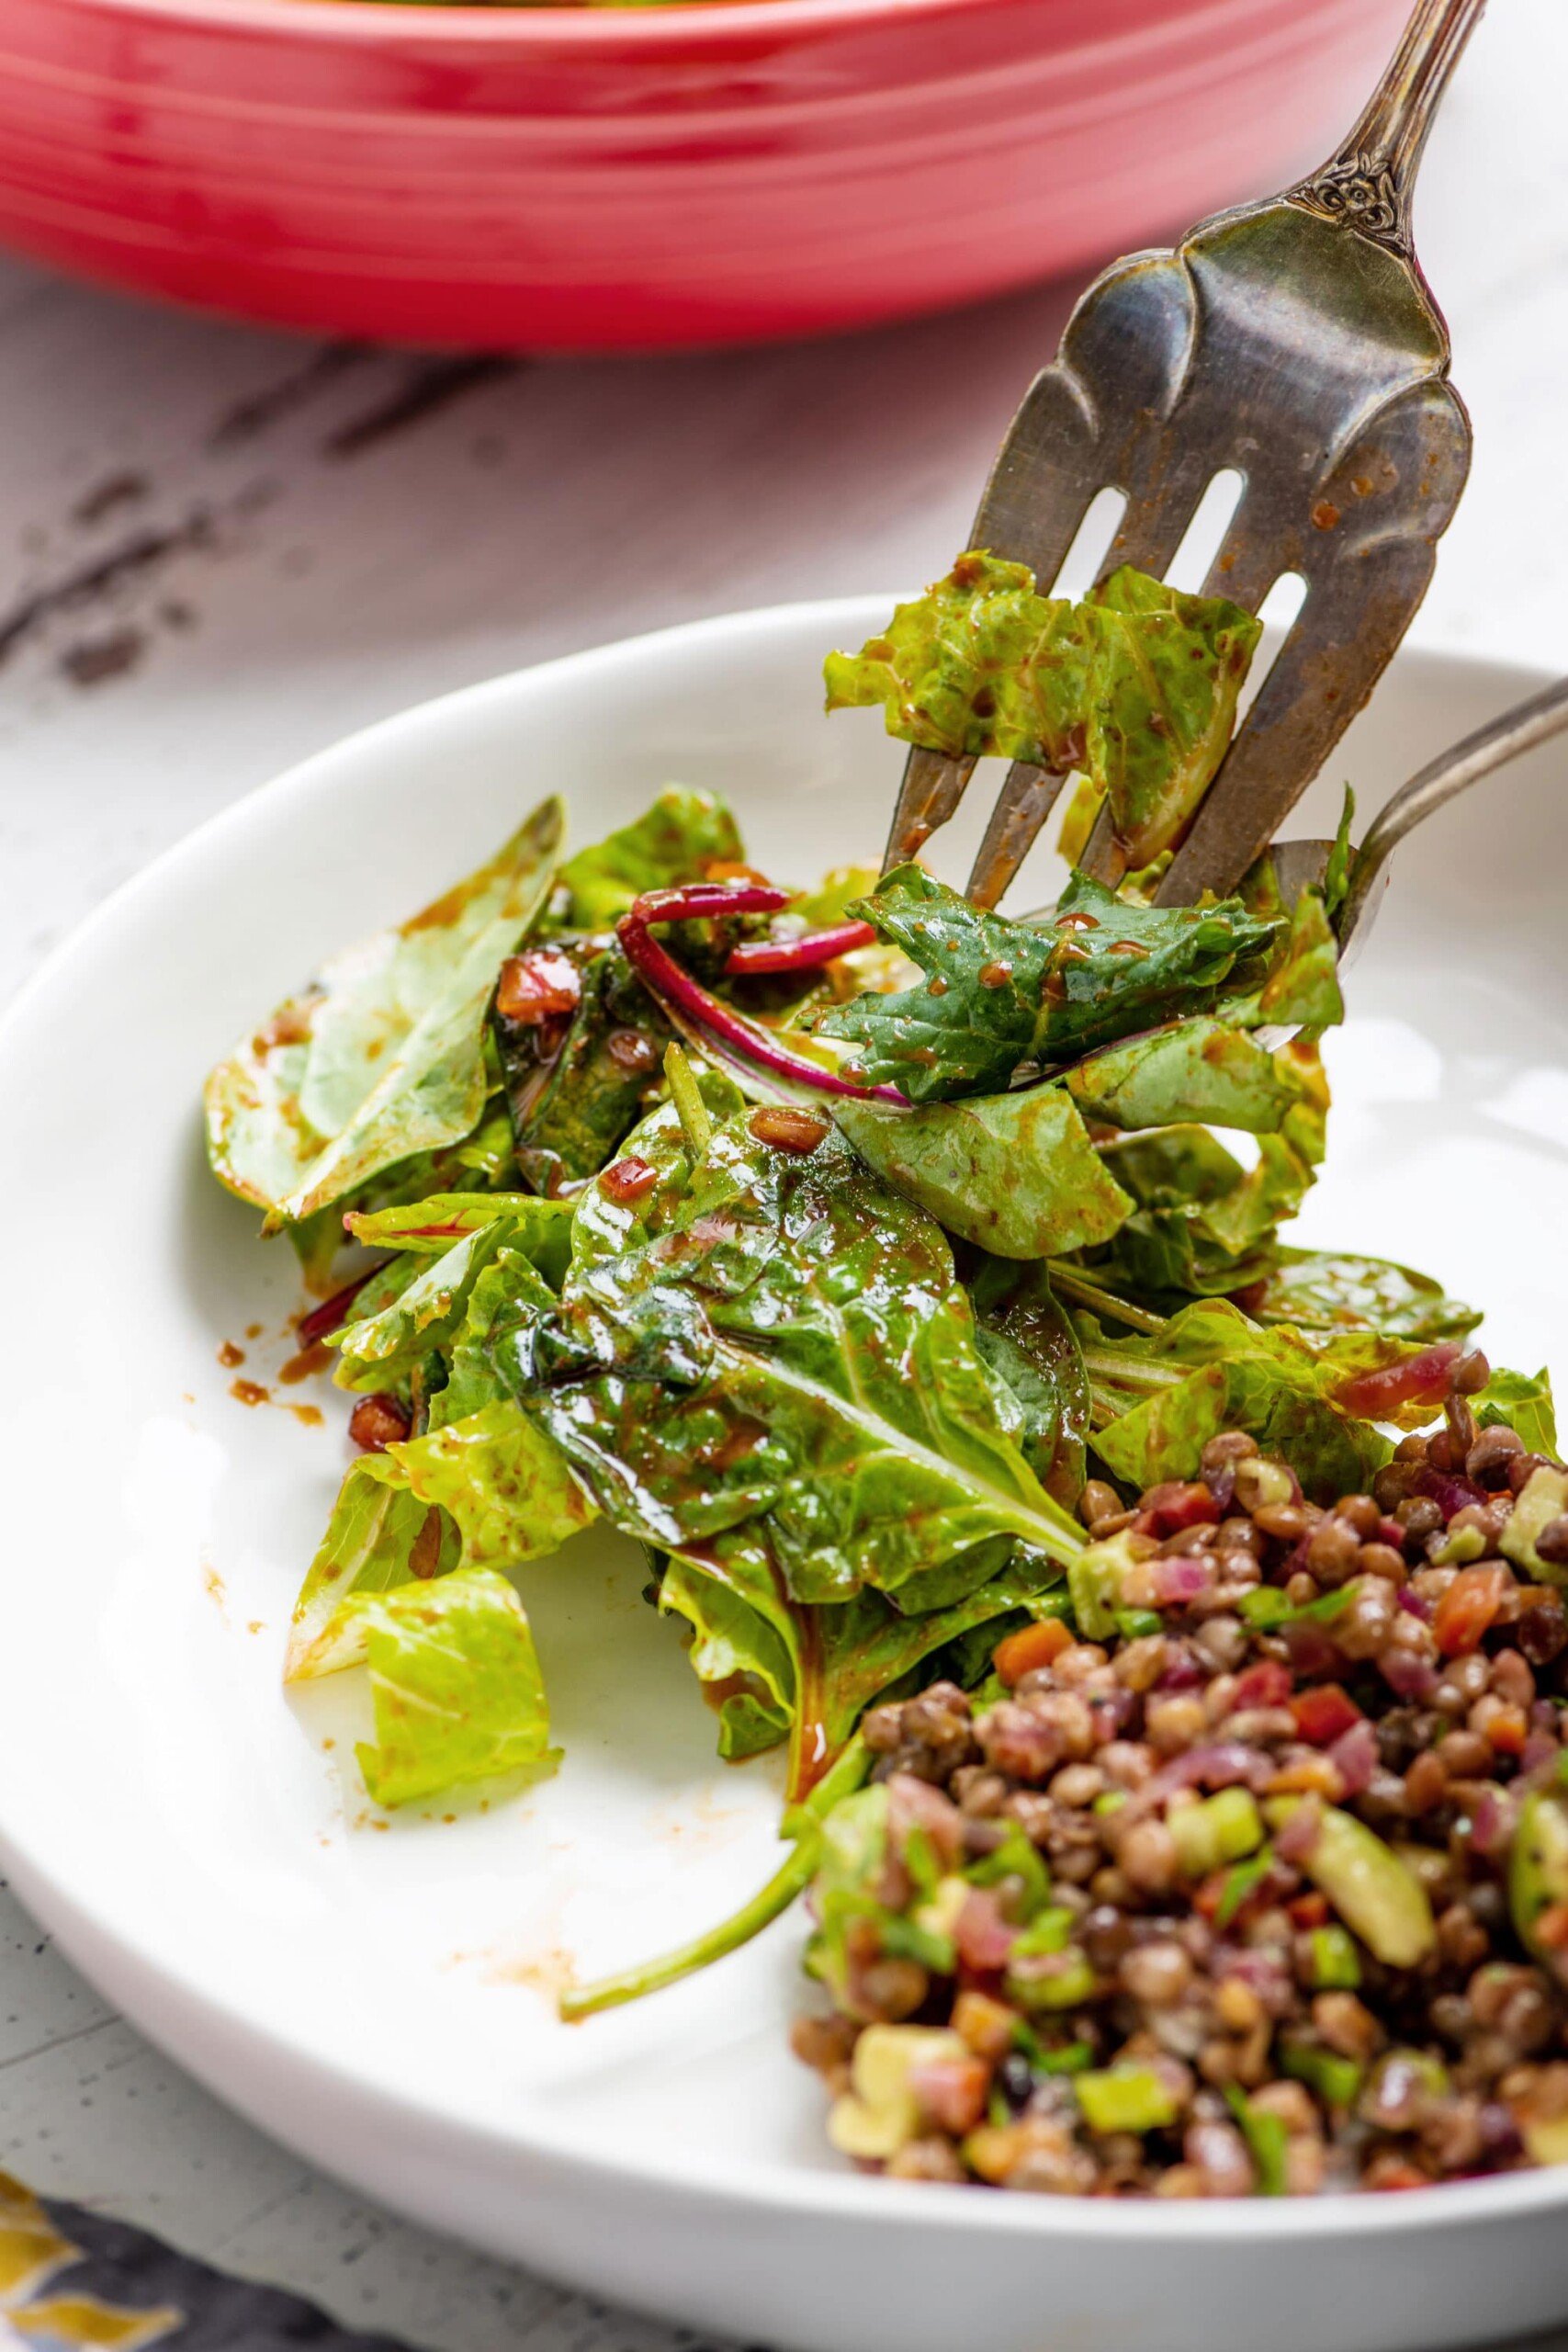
<point x="603" y="178"/>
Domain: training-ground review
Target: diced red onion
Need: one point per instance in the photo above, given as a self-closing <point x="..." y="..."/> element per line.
<point x="1449" y="1493"/>
<point x="1220" y="1483"/>
<point x="676" y="986"/>
<point x="1182" y="1671"/>
<point x="913" y="1803"/>
<point x="1174" y="1582"/>
<point x="1408" y="1677"/>
<point x="1414" y="1604"/>
<point x="1295" y="1837"/>
<point x="984" y="1937"/>
<point x="1491" y="1824"/>
<point x="1539" y="1749"/>
<point x="1223" y="1764"/>
<point x="1354" y="1756"/>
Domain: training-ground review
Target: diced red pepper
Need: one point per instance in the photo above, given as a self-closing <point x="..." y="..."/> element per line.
<point x="1179" y="1504"/>
<point x="1266" y="1684"/>
<point x="1325" y="1714"/>
<point x="1469" y="1608"/>
<point x="536" y="987"/>
<point x="1508" y="1731"/>
<point x="1031" y="1647"/>
<point x="1308" y="1911"/>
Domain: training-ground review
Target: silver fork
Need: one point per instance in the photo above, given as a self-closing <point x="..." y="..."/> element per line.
<point x="1295" y="340"/>
<point x="1301" y="865"/>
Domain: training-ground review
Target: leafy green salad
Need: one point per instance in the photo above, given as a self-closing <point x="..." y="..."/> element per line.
<point x="823" y="1241"/>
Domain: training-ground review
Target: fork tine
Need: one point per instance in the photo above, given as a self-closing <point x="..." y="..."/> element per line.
<point x="1156" y="522"/>
<point x="932" y="787"/>
<point x="1023" y="806"/>
<point x="1101" y="858"/>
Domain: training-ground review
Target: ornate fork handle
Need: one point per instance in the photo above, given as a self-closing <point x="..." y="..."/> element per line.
<point x="1368" y="184"/>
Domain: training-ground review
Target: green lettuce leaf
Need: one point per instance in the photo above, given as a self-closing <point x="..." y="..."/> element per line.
<point x="1028" y="1340"/>
<point x="429" y="1226"/>
<point x="1015" y="1172"/>
<point x="457" y="1689"/>
<point x="778" y="1343"/>
<point x="1334" y="1290"/>
<point x="501" y="1482"/>
<point x="1200" y="1070"/>
<point x="1004" y="998"/>
<point x="1213" y="1369"/>
<point x="381" y="1536"/>
<point x="1137" y="685"/>
<point x="1522" y="1401"/>
<point x="383" y="1057"/>
<point x="674" y="841"/>
<point x="427" y="1313"/>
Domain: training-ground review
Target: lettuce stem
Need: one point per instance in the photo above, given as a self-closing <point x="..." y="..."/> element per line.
<point x="802" y="1822"/>
<point x="1084" y="1293"/>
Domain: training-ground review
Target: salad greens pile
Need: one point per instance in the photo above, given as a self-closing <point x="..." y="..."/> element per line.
<point x="825" y="1244"/>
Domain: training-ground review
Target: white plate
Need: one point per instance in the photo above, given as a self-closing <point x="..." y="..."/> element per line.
<point x="380" y="1997"/>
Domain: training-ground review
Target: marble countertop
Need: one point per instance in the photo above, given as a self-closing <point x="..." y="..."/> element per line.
<point x="223" y="549"/>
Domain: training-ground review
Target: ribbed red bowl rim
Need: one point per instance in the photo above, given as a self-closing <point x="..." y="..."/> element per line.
<point x="670" y="25"/>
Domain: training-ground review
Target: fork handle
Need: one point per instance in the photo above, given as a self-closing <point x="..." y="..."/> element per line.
<point x="1493" y="746"/>
<point x="1368" y="184"/>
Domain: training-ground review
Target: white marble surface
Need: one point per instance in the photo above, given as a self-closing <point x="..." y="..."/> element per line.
<point x="279" y="570"/>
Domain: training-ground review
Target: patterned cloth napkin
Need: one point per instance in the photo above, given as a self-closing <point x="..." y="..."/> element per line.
<point x="71" y="2279"/>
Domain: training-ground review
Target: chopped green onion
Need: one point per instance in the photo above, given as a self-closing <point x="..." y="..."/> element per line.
<point x="1266" y="2138"/>
<point x="1337" y="2081"/>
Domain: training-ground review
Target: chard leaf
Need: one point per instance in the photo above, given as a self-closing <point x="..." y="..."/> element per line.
<point x="1301" y="985"/>
<point x="675" y="841"/>
<point x="1201" y="1070"/>
<point x="1332" y="1290"/>
<point x="1028" y="1339"/>
<point x="1212" y="1368"/>
<point x="1015" y="1172"/>
<point x="379" y="1535"/>
<point x="574" y="1090"/>
<point x="1001" y="994"/>
<point x="1137" y="685"/>
<point x="456" y="1684"/>
<point x="777" y="1343"/>
<point x="382" y="1058"/>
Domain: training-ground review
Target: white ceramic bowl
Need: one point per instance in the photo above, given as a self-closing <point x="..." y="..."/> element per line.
<point x="379" y="1997"/>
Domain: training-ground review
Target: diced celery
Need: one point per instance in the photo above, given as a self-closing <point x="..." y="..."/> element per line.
<point x="1336" y="2080"/>
<point x="1544" y="1499"/>
<point x="1221" y="1829"/>
<point x="1538" y="1865"/>
<point x="1336" y="1967"/>
<point x="1047" y="1987"/>
<point x="1125" y="2099"/>
<point x="1378" y="1897"/>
